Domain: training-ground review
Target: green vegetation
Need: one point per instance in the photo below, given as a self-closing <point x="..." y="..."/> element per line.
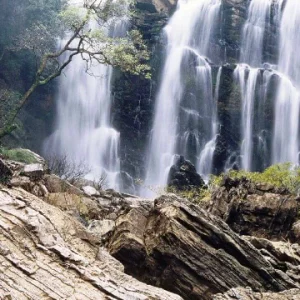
<point x="283" y="176"/>
<point x="19" y="154"/>
<point x="195" y="195"/>
<point x="280" y="176"/>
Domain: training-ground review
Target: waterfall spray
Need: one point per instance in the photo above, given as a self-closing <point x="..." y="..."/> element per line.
<point x="84" y="133"/>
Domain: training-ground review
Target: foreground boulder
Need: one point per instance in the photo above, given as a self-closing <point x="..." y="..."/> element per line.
<point x="34" y="171"/>
<point x="47" y="254"/>
<point x="255" y="209"/>
<point x="187" y="250"/>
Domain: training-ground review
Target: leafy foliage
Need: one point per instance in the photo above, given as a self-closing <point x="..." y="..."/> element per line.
<point x="98" y="43"/>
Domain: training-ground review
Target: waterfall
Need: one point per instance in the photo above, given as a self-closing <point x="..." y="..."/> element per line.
<point x="247" y="78"/>
<point x="84" y="133"/>
<point x="248" y="70"/>
<point x="185" y="112"/>
<point x="204" y="165"/>
<point x="286" y="128"/>
<point x="254" y="31"/>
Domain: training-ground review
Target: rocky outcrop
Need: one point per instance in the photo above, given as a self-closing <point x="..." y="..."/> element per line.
<point x="248" y="294"/>
<point x="255" y="209"/>
<point x="186" y="250"/>
<point x="295" y="232"/>
<point x="282" y="255"/>
<point x="54" y="184"/>
<point x="27" y="176"/>
<point x="45" y="253"/>
<point x="183" y="175"/>
<point x="171" y="243"/>
<point x="84" y="202"/>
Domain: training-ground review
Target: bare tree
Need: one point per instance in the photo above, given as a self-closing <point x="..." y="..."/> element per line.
<point x="67" y="168"/>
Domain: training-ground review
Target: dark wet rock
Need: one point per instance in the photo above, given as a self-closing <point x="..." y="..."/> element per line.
<point x="160" y="6"/>
<point x="5" y="171"/>
<point x="183" y="175"/>
<point x="234" y="15"/>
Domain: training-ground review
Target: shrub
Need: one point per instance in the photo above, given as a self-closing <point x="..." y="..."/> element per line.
<point x="101" y="183"/>
<point x="280" y="175"/>
<point x="193" y="194"/>
<point x="66" y="168"/>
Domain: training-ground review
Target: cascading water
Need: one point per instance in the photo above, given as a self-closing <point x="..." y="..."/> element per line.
<point x="204" y="165"/>
<point x="84" y="134"/>
<point x="254" y="31"/>
<point x="248" y="70"/>
<point x="247" y="78"/>
<point x="185" y="114"/>
<point x="286" y="129"/>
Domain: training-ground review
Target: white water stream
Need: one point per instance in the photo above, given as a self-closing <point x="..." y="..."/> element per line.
<point x="189" y="33"/>
<point x="247" y="71"/>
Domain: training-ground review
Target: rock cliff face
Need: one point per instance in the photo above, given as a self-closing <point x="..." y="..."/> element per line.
<point x="47" y="254"/>
<point x="256" y="209"/>
<point x="53" y="237"/>
<point x="135" y="97"/>
<point x="187" y="250"/>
